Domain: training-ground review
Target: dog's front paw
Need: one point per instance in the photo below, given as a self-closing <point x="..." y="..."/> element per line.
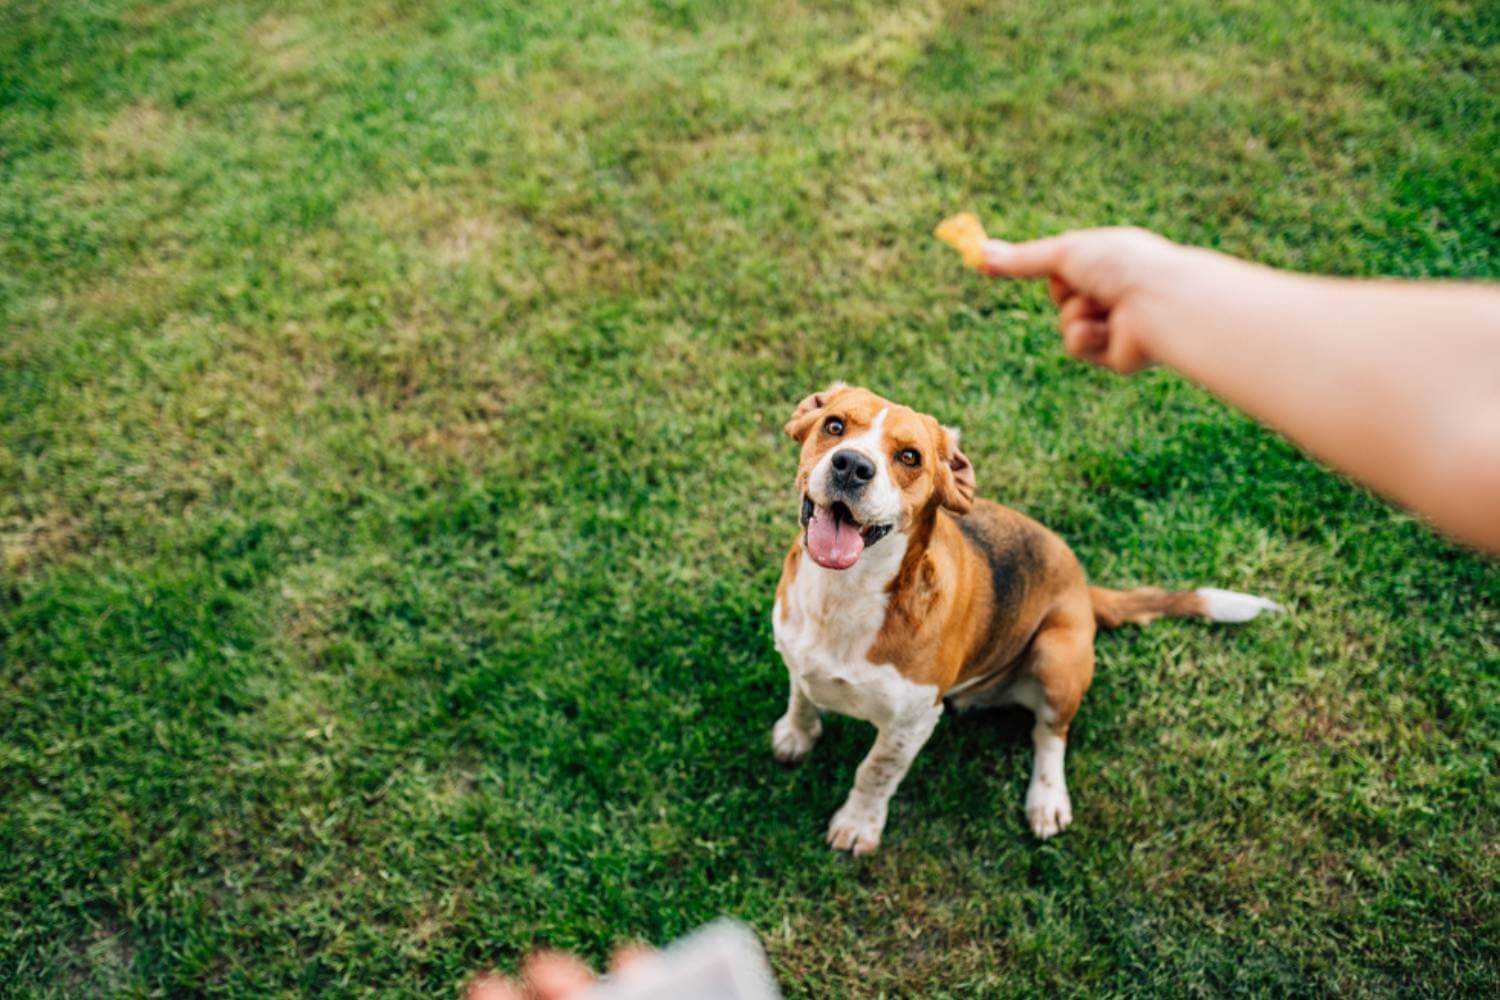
<point x="1048" y="809"/>
<point x="856" y="827"/>
<point x="790" y="743"/>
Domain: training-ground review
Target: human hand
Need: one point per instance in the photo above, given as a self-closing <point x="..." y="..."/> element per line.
<point x="549" y="975"/>
<point x="1108" y="284"/>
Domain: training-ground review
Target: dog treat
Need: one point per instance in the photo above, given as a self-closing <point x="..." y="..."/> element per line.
<point x="963" y="233"/>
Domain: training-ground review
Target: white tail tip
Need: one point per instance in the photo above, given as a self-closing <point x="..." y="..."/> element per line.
<point x="1231" y="606"/>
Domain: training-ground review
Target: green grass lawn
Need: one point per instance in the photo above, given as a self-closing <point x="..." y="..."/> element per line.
<point x="392" y="493"/>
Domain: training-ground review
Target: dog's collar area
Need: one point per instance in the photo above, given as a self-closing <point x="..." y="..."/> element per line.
<point x="870" y="535"/>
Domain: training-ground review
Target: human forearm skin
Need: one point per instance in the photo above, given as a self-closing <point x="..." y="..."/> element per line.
<point x="1394" y="383"/>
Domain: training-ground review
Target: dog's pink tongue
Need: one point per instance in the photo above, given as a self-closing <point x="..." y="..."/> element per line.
<point x="833" y="543"/>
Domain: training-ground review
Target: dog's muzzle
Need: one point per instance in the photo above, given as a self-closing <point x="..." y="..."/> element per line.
<point x="832" y="535"/>
<point x="849" y="472"/>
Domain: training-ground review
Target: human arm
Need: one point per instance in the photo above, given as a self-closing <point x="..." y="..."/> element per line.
<point x="1395" y="383"/>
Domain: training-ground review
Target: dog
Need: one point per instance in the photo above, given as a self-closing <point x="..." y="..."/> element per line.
<point x="903" y="594"/>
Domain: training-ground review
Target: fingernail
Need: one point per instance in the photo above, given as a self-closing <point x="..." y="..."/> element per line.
<point x="996" y="252"/>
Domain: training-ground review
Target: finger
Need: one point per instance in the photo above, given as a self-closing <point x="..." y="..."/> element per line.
<point x="492" y="987"/>
<point x="1086" y="339"/>
<point x="1035" y="259"/>
<point x="1124" y="357"/>
<point x="552" y="975"/>
<point x="1079" y="307"/>
<point x="1059" y="289"/>
<point x="629" y="956"/>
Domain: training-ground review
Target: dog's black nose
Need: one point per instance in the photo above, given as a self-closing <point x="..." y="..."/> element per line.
<point x="851" y="470"/>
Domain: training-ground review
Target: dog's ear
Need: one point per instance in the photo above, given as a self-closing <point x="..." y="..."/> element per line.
<point x="955" y="487"/>
<point x="806" y="414"/>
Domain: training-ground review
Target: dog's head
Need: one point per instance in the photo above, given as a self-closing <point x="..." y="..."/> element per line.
<point x="870" y="467"/>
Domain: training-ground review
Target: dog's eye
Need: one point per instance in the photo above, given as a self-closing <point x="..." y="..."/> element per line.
<point x="834" y="426"/>
<point x="909" y="456"/>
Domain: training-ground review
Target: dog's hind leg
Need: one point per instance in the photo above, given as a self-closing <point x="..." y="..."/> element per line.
<point x="1059" y="666"/>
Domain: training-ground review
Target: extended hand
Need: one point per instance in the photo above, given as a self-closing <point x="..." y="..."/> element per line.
<point x="1107" y="283"/>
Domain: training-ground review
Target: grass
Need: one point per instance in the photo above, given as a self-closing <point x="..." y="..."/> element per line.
<point x="391" y="493"/>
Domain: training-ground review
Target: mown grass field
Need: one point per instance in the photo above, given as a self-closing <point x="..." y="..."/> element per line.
<point x="392" y="493"/>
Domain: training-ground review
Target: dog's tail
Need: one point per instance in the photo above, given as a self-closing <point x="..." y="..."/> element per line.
<point x="1143" y="605"/>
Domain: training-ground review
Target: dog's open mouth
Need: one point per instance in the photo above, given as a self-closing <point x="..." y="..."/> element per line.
<point x="834" y="538"/>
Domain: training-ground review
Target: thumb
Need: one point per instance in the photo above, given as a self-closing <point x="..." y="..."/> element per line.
<point x="1034" y="259"/>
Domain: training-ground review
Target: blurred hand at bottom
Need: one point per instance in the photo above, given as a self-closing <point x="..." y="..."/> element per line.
<point x="549" y="975"/>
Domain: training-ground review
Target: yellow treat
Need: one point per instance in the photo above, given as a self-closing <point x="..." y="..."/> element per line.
<point x="963" y="233"/>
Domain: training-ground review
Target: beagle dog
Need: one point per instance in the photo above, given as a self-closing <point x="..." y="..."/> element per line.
<point x="904" y="594"/>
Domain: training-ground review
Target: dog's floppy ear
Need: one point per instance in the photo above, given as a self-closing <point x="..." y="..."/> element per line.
<point x="806" y="414"/>
<point x="955" y="487"/>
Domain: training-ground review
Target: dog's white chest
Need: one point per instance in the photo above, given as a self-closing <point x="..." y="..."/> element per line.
<point x="824" y="628"/>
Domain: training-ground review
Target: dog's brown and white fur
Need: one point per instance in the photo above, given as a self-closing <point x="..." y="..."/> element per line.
<point x="904" y="592"/>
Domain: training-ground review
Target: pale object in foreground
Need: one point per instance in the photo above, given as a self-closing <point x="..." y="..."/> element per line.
<point x="721" y="961"/>
<point x="964" y="233"/>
